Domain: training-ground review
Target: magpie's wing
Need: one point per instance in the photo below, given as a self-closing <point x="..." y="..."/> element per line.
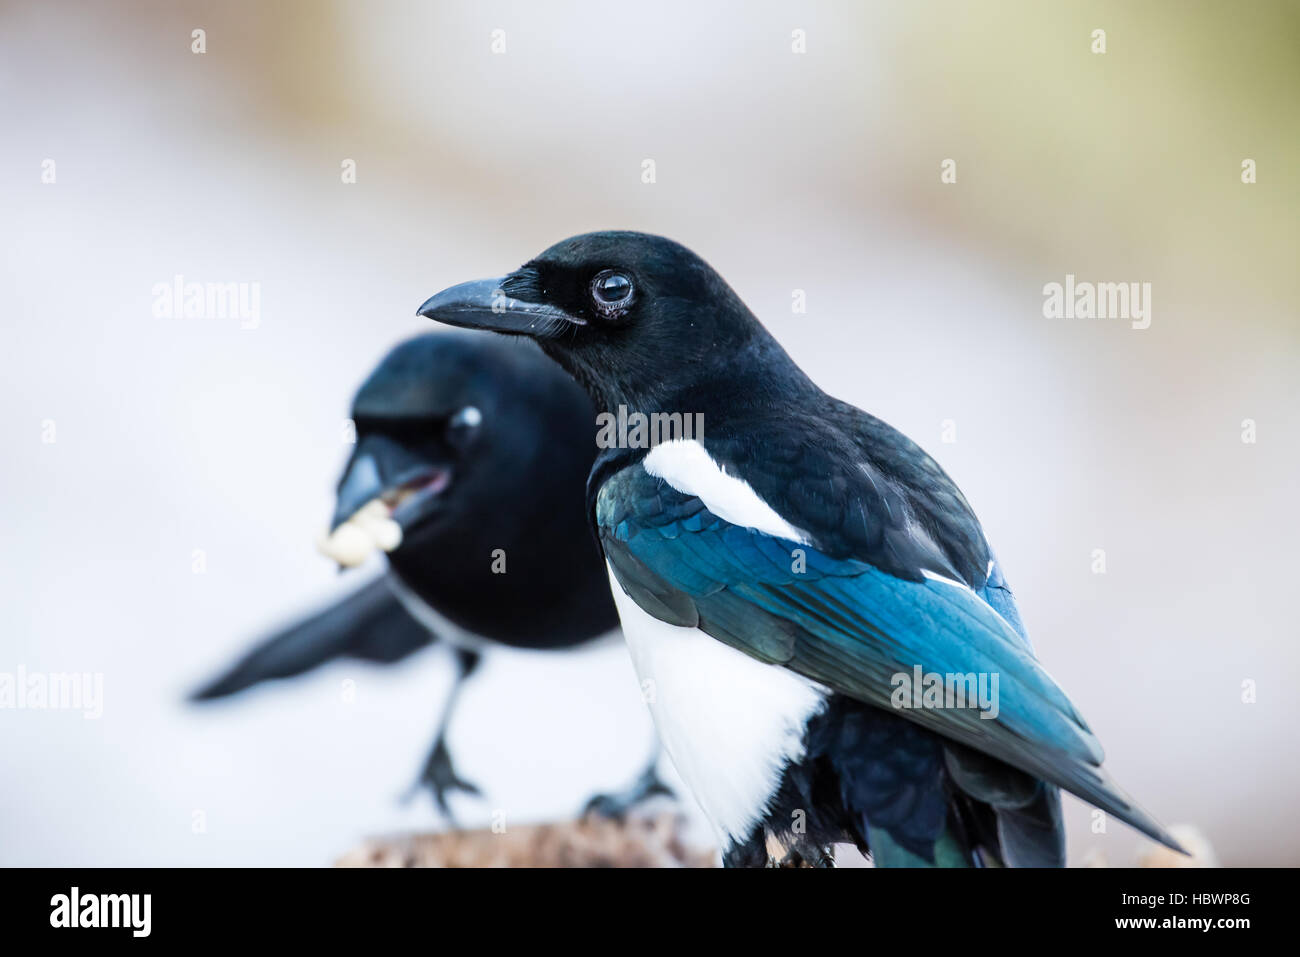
<point x="842" y="620"/>
<point x="369" y="624"/>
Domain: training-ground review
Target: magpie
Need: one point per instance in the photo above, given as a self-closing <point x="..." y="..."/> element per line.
<point x="471" y="453"/>
<point x="783" y="573"/>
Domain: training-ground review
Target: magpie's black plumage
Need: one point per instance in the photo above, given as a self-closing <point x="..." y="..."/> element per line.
<point x="479" y="447"/>
<point x="781" y="576"/>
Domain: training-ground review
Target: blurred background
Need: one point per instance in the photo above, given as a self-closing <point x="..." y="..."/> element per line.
<point x="134" y="442"/>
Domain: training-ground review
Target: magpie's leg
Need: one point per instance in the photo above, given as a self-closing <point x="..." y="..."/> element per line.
<point x="647" y="785"/>
<point x="439" y="775"/>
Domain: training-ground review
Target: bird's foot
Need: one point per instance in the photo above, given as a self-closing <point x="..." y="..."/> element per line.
<point x="440" y="779"/>
<point x="618" y="805"/>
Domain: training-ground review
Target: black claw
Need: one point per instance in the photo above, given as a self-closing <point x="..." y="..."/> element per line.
<point x="617" y="806"/>
<point x="439" y="777"/>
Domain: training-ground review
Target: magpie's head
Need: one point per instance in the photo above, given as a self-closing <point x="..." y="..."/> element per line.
<point x="629" y="315"/>
<point x="448" y="427"/>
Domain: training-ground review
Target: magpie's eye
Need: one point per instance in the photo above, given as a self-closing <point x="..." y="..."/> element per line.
<point x="612" y="290"/>
<point x="462" y="426"/>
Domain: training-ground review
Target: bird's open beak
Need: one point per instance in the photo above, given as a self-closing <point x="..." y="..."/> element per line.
<point x="483" y="304"/>
<point x="385" y="492"/>
<point x="407" y="484"/>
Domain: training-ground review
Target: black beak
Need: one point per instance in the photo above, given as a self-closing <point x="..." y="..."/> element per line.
<point x="483" y="304"/>
<point x="381" y="467"/>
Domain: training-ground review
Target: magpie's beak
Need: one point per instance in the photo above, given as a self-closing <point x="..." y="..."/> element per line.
<point x="483" y="304"/>
<point x="408" y="485"/>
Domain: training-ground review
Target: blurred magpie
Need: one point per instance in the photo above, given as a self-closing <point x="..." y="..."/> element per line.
<point x="468" y="468"/>
<point x="784" y="577"/>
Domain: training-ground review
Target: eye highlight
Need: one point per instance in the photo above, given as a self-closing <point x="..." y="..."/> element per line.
<point x="611" y="291"/>
<point x="462" y="426"/>
<point x="468" y="417"/>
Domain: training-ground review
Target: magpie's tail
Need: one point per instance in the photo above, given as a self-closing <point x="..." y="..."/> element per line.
<point x="369" y="624"/>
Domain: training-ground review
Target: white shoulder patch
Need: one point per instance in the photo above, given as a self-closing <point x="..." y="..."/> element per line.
<point x="687" y="466"/>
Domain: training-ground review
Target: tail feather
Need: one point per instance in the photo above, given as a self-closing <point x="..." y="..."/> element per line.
<point x="1033" y="835"/>
<point x="369" y="624"/>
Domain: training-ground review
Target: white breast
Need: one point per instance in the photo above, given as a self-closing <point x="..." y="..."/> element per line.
<point x="730" y="723"/>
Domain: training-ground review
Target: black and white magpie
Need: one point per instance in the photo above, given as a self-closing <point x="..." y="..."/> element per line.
<point x="785" y="573"/>
<point x="469" y="464"/>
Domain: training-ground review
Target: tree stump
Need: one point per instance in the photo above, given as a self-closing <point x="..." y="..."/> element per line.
<point x="638" y="841"/>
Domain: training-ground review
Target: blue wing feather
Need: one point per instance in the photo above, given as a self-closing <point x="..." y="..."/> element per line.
<point x="852" y="626"/>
